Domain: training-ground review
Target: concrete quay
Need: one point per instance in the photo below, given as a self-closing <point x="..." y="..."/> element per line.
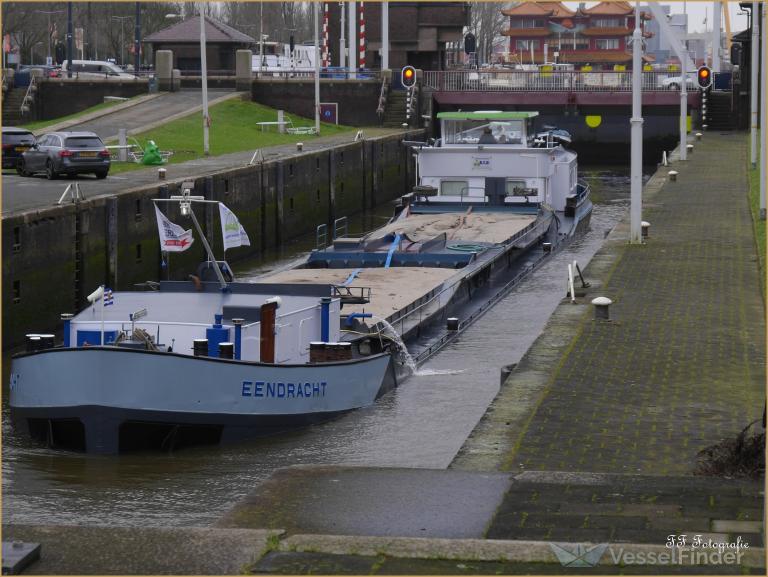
<point x="591" y="441"/>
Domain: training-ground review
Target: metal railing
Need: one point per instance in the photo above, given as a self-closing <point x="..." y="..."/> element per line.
<point x="558" y="81"/>
<point x="29" y="97"/>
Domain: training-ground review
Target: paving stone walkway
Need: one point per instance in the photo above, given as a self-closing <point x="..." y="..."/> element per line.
<point x="682" y="364"/>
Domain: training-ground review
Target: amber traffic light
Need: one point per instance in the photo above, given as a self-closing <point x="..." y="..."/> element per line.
<point x="408" y="76"/>
<point x="704" y="77"/>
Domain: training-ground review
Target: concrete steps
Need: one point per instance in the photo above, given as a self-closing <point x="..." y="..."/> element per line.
<point x="394" y="115"/>
<point x="12" y="101"/>
<point x="719" y="113"/>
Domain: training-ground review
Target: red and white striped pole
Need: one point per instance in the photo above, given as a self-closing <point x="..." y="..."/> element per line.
<point x="325" y="36"/>
<point x="361" y="56"/>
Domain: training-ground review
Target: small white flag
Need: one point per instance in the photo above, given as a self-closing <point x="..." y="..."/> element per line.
<point x="108" y="298"/>
<point x="232" y="231"/>
<point x="173" y="238"/>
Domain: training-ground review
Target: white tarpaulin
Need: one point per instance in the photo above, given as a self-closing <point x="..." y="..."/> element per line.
<point x="232" y="231"/>
<point x="173" y="238"/>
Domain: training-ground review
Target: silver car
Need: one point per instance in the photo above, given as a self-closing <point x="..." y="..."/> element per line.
<point x="66" y="153"/>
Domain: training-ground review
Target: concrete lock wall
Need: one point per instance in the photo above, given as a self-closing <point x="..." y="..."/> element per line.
<point x="54" y="258"/>
<point x="357" y="99"/>
<point x="56" y="98"/>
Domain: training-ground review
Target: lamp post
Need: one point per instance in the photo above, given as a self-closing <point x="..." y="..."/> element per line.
<point x="122" y="37"/>
<point x="203" y="75"/>
<point x="49" y="13"/>
<point x="32" y="52"/>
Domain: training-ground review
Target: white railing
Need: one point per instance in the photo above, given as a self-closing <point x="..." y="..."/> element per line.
<point x="536" y="81"/>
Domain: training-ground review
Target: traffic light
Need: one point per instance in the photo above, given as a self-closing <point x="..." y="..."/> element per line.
<point x="704" y="77"/>
<point x="408" y="76"/>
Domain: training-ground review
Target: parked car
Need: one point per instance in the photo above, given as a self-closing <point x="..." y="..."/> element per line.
<point x="674" y="83"/>
<point x="66" y="153"/>
<point x="95" y="69"/>
<point x="47" y="71"/>
<point x="16" y="141"/>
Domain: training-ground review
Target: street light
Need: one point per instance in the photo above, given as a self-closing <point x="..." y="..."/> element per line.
<point x="32" y="52"/>
<point x="203" y="78"/>
<point x="49" y="13"/>
<point x="122" y="37"/>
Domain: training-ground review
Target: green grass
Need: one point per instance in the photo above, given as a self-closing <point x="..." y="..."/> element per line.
<point x="44" y="123"/>
<point x="754" y="204"/>
<point x="233" y="129"/>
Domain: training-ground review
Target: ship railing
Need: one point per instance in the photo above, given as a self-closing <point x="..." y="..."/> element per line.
<point x="340" y="227"/>
<point x="321" y="236"/>
<point x="506" y="80"/>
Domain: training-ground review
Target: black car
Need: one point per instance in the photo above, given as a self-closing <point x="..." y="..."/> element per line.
<point x="15" y="142"/>
<point x="66" y="153"/>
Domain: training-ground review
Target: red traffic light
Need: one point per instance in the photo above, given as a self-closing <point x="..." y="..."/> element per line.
<point x="704" y="77"/>
<point x="408" y="76"/>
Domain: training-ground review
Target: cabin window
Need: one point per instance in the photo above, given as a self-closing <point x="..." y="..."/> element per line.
<point x="520" y="188"/>
<point x="453" y="187"/>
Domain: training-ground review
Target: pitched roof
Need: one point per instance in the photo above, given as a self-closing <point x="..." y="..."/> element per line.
<point x="553" y="9"/>
<point x="610" y="8"/>
<point x="189" y="31"/>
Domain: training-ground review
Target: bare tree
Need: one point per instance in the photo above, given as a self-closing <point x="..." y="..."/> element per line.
<point x="487" y="23"/>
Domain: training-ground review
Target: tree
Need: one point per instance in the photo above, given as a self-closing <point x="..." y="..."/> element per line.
<point x="487" y="23"/>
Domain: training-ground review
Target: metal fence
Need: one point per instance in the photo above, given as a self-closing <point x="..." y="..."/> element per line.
<point x="560" y="81"/>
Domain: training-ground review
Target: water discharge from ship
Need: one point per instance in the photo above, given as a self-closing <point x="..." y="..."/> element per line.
<point x="407" y="359"/>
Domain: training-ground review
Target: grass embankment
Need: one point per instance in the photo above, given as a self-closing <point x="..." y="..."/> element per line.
<point x="233" y="129"/>
<point x="754" y="204"/>
<point x="44" y="123"/>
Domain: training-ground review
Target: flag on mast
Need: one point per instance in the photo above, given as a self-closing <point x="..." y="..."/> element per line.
<point x="173" y="238"/>
<point x="232" y="231"/>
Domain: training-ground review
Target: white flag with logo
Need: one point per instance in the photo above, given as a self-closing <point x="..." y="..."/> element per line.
<point x="173" y="238"/>
<point x="232" y="231"/>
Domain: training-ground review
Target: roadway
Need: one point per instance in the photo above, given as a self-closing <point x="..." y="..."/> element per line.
<point x="20" y="194"/>
<point x="147" y="113"/>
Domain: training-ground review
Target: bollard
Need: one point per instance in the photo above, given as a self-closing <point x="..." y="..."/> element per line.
<point x="67" y="319"/>
<point x="547" y="246"/>
<point x="506" y="370"/>
<point x="299" y="146"/>
<point x="664" y="158"/>
<point x="672" y="176"/>
<point x="601" y="308"/>
<point x="161" y="174"/>
<point x="690" y="148"/>
<point x="453" y="324"/>
<point x="200" y="347"/>
<point x="645" y="228"/>
<point x="699" y="135"/>
<point x="704" y="127"/>
<point x="226" y="350"/>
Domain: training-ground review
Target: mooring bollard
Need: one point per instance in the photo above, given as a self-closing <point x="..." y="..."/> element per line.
<point x="452" y="324"/>
<point x="161" y="174"/>
<point x="645" y="226"/>
<point x="299" y="146"/>
<point x="547" y="246"/>
<point x="690" y="148"/>
<point x="699" y="135"/>
<point x="704" y="127"/>
<point x="672" y="176"/>
<point x="601" y="308"/>
<point x="506" y="370"/>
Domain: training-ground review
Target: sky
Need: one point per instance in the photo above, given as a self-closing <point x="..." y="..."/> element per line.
<point x="696" y="13"/>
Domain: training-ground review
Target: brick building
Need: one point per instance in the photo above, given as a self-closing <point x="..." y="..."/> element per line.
<point x="598" y="36"/>
<point x="183" y="38"/>
<point x="418" y="32"/>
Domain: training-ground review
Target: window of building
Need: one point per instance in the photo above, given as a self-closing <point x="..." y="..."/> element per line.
<point x="453" y="187"/>
<point x="607" y="22"/>
<point x="527" y="23"/>
<point x="526" y="44"/>
<point x="607" y="43"/>
<point x="580" y="43"/>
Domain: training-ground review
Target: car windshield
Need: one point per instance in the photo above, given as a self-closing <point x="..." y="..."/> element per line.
<point x="84" y="142"/>
<point x="18" y="138"/>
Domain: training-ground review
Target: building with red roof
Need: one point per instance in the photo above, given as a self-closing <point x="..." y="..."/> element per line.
<point x="598" y="36"/>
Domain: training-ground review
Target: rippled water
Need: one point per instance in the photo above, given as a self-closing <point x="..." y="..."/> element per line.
<point x="423" y="423"/>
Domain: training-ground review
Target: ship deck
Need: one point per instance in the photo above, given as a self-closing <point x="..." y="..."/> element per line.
<point x="392" y="289"/>
<point x="485" y="227"/>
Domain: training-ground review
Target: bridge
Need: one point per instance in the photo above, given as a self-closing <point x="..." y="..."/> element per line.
<point x="594" y="107"/>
